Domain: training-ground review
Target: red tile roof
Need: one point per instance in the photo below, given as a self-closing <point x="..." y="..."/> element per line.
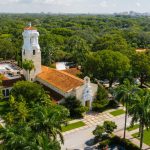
<point x="29" y="28"/>
<point x="60" y="79"/>
<point x="10" y="82"/>
<point x="73" y="71"/>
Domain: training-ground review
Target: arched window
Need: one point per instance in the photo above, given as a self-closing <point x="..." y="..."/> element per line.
<point x="33" y="52"/>
<point x="24" y="52"/>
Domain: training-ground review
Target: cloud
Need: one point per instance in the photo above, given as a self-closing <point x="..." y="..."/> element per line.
<point x="138" y="4"/>
<point x="103" y="4"/>
<point x="38" y="2"/>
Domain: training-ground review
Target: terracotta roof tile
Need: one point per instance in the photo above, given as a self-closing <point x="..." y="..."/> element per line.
<point x="73" y="71"/>
<point x="10" y="82"/>
<point x="60" y="79"/>
<point x="29" y="28"/>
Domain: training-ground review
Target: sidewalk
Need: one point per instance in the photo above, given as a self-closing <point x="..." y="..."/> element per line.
<point x="129" y="137"/>
<point x="92" y="119"/>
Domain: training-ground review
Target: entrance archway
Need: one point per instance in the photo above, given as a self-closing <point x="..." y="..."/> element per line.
<point x="87" y="103"/>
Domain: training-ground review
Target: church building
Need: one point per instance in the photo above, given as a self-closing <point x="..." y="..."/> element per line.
<point x="59" y="83"/>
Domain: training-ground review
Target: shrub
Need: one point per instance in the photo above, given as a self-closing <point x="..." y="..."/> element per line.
<point x="109" y="126"/>
<point x="101" y="102"/>
<point x="75" y="107"/>
<point x="98" y="132"/>
<point x="102" y="132"/>
<point x="128" y="145"/>
<point x="104" y="144"/>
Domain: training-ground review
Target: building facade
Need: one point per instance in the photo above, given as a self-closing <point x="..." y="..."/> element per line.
<point x="31" y="51"/>
<point x="59" y="83"/>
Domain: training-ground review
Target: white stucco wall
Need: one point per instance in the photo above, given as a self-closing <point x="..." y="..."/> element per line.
<point x="79" y="92"/>
<point x="30" y="38"/>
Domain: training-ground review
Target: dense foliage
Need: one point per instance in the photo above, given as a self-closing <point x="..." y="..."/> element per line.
<point x="81" y="39"/>
<point x="75" y="107"/>
<point x="31" y="120"/>
<point x="101" y="132"/>
<point x="67" y="34"/>
<point x="101" y="101"/>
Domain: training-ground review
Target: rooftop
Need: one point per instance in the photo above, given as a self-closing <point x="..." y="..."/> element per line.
<point x="29" y="28"/>
<point x="141" y="50"/>
<point x="73" y="71"/>
<point x="9" y="71"/>
<point x="60" y="79"/>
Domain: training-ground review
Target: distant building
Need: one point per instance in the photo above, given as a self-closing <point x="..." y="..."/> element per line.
<point x="11" y="73"/>
<point x="141" y="50"/>
<point x="60" y="84"/>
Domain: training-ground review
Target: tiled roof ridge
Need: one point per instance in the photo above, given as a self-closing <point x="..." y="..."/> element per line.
<point x="71" y="75"/>
<point x="68" y="74"/>
<point x="29" y="28"/>
<point x="60" y="79"/>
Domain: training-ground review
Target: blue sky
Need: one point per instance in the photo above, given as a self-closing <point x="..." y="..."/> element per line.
<point x="74" y="6"/>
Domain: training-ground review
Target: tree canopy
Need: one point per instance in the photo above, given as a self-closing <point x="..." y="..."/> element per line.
<point x="31" y="120"/>
<point x="106" y="64"/>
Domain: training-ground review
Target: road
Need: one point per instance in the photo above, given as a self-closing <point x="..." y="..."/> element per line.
<point x="77" y="140"/>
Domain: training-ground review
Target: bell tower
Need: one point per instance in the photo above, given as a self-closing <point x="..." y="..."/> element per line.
<point x="31" y="51"/>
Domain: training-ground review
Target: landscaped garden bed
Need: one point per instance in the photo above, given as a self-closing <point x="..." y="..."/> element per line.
<point x="73" y="126"/>
<point x="117" y="112"/>
<point x="118" y="143"/>
<point x="146" y="138"/>
<point x="134" y="127"/>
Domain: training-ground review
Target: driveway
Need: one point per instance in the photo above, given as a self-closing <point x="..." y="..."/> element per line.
<point x="77" y="139"/>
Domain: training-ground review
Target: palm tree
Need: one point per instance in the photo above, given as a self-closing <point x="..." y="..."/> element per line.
<point x="28" y="65"/>
<point x="140" y="111"/>
<point x="49" y="121"/>
<point x="124" y="94"/>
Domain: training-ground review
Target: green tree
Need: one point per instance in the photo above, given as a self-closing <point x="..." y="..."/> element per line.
<point x="98" y="132"/>
<point x="124" y="94"/>
<point x="28" y="65"/>
<point x="101" y="101"/>
<point x="75" y="107"/>
<point x="101" y="131"/>
<point x="7" y="49"/>
<point x="141" y="66"/>
<point x="109" y="126"/>
<point x="140" y="112"/>
<point x="78" y="47"/>
<point x="114" y="42"/>
<point x="106" y="64"/>
<point x="32" y="121"/>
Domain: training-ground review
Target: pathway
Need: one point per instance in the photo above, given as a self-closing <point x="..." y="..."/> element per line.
<point x="77" y="139"/>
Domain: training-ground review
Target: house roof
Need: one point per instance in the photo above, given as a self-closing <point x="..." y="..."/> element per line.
<point x="29" y="28"/>
<point x="141" y="50"/>
<point x="60" y="79"/>
<point x="55" y="96"/>
<point x="73" y="71"/>
<point x="10" y="82"/>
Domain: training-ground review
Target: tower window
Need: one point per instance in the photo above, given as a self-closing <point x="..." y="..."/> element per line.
<point x="24" y="52"/>
<point x="7" y="92"/>
<point x="33" y="52"/>
<point x="3" y="93"/>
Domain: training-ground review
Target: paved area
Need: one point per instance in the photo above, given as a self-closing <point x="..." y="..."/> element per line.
<point x="77" y="139"/>
<point x="95" y="118"/>
<point x="133" y="140"/>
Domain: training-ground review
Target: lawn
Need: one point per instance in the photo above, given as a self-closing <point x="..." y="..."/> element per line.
<point x="136" y="126"/>
<point x="146" y="139"/>
<point x="117" y="112"/>
<point x="73" y="126"/>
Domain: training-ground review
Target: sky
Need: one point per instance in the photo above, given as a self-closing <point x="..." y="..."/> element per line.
<point x="74" y="6"/>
